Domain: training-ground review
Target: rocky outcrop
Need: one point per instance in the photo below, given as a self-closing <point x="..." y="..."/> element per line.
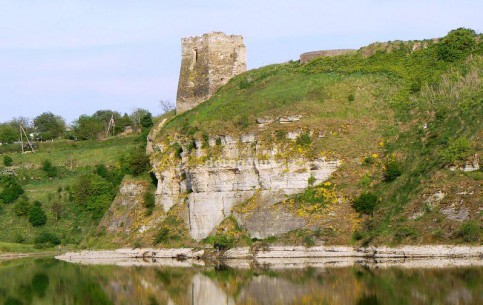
<point x="126" y="222"/>
<point x="231" y="171"/>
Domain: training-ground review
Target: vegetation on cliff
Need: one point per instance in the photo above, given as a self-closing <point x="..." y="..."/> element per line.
<point x="404" y="117"/>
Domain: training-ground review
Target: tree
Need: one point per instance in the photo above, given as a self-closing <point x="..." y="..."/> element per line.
<point x="136" y="116"/>
<point x="10" y="189"/>
<point x="49" y="169"/>
<point x="104" y="116"/>
<point x="8" y="133"/>
<point x="37" y="216"/>
<point x="457" y="44"/>
<point x="167" y="105"/>
<point x="147" y="121"/>
<point x="57" y="208"/>
<point x="88" y="127"/>
<point x="22" y="206"/>
<point x="7" y="161"/>
<point x="49" y="126"/>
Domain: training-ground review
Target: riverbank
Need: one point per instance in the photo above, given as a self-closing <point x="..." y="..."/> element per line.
<point x="288" y="256"/>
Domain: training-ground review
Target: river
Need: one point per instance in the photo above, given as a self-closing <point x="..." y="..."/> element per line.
<point x="49" y="281"/>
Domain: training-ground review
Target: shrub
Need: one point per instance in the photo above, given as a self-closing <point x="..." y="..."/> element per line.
<point x="37" y="216"/>
<point x="311" y="180"/>
<point x="101" y="170"/>
<point x="457" y="149"/>
<point x="7" y="161"/>
<point x="46" y="240"/>
<point x="149" y="202"/>
<point x="368" y="160"/>
<point x="304" y="139"/>
<point x="405" y="232"/>
<point x="392" y="171"/>
<point x="11" y="189"/>
<point x="470" y="231"/>
<point x="49" y="169"/>
<point x="223" y="242"/>
<point x="365" y="203"/>
<point x="351" y="97"/>
<point x="22" y="206"/>
<point x="280" y="135"/>
<point x="244" y="83"/>
<point x="457" y="44"/>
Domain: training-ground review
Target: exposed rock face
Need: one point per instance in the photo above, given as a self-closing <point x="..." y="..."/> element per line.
<point x="126" y="219"/>
<point x="208" y="62"/>
<point x="214" y="187"/>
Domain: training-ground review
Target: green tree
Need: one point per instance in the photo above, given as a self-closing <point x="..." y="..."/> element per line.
<point x="37" y="216"/>
<point x="10" y="189"/>
<point x="457" y="44"/>
<point x="136" y="117"/>
<point x="8" y="133"/>
<point x="49" y="126"/>
<point x="22" y="206"/>
<point x="46" y="240"/>
<point x="365" y="203"/>
<point x="94" y="194"/>
<point x="49" y="169"/>
<point x="147" y="121"/>
<point x="7" y="161"/>
<point x="88" y="127"/>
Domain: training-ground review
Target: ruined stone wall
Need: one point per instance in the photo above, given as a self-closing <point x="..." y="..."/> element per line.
<point x="208" y="62"/>
<point x="306" y="57"/>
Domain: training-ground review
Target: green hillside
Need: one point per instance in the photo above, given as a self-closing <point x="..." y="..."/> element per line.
<point x="400" y="115"/>
<point x="67" y="220"/>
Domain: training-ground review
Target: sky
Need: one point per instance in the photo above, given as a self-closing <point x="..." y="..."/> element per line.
<point x="74" y="57"/>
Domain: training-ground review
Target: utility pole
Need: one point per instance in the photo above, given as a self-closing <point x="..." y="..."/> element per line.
<point x="22" y="133"/>
<point x="112" y="123"/>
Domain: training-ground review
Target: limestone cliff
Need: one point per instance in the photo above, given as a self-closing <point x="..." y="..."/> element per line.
<point x="229" y="172"/>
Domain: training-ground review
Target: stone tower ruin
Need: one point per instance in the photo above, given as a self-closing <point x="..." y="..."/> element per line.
<point x="208" y="62"/>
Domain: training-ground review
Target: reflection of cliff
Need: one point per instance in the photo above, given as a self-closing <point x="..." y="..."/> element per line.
<point x="44" y="281"/>
<point x="206" y="291"/>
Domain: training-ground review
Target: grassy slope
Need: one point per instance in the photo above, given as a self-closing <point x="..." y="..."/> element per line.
<point x="397" y="89"/>
<point x="74" y="223"/>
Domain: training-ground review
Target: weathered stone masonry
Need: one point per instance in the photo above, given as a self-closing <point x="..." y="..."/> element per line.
<point x="208" y="62"/>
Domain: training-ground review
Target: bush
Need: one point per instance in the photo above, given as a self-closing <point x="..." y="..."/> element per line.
<point x="49" y="169"/>
<point x="101" y="170"/>
<point x="457" y="149"/>
<point x="392" y="171"/>
<point x="457" y="44"/>
<point x="94" y="193"/>
<point x="37" y="216"/>
<point x="351" y="97"/>
<point x="11" y="189"/>
<point x="137" y="163"/>
<point x="304" y="139"/>
<point x="365" y="203"/>
<point x="149" y="202"/>
<point x="22" y="206"/>
<point x="46" y="240"/>
<point x="470" y="231"/>
<point x="7" y="161"/>
<point x="223" y="242"/>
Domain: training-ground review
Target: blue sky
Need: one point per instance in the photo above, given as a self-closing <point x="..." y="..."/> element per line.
<point x="74" y="57"/>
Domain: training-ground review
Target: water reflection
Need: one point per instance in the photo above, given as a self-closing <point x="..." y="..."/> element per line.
<point x="47" y="281"/>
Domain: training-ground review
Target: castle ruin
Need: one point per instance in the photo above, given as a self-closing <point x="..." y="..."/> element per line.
<point x="208" y="62"/>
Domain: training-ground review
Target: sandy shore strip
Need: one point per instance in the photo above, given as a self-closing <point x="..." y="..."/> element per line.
<point x="290" y="256"/>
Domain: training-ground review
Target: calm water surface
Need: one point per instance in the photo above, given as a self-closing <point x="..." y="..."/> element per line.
<point x="47" y="281"/>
